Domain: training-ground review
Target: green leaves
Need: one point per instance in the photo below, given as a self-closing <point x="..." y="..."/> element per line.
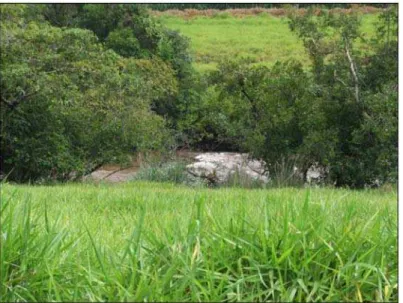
<point x="345" y="114"/>
<point x="67" y="102"/>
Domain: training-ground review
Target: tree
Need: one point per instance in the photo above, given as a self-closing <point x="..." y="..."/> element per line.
<point x="70" y="105"/>
<point x="338" y="114"/>
<point x="351" y="98"/>
<point x="131" y="32"/>
<point x="266" y="107"/>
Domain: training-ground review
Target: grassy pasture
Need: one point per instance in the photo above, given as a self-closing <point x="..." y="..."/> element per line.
<point x="144" y="241"/>
<point x="263" y="39"/>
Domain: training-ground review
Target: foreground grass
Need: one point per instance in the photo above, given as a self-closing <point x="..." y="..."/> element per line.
<point x="262" y="39"/>
<point x="160" y="242"/>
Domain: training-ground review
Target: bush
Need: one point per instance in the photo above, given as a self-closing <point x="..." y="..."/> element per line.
<point x="285" y="173"/>
<point x="241" y="180"/>
<point x="174" y="172"/>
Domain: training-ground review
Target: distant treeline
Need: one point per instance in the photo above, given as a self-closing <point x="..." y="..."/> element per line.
<point x="223" y="6"/>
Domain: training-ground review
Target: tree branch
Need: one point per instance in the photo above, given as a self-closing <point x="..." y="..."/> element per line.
<point x="17" y="101"/>
<point x="353" y="72"/>
<point x="252" y="102"/>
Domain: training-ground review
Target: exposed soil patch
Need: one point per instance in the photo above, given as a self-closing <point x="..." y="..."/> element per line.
<point x="115" y="173"/>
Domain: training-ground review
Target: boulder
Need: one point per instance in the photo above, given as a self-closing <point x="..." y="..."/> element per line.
<point x="218" y="168"/>
<point x="316" y="174"/>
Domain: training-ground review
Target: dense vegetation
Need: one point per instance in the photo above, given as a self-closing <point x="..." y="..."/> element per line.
<point x="73" y="98"/>
<point x="148" y="242"/>
<point x="87" y="84"/>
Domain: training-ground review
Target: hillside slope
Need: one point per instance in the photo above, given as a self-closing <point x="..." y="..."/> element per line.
<point x="263" y="39"/>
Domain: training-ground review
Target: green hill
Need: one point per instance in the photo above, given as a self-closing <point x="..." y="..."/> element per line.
<point x="263" y="38"/>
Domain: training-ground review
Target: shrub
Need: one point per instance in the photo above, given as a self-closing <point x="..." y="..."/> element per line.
<point x="241" y="180"/>
<point x="174" y="172"/>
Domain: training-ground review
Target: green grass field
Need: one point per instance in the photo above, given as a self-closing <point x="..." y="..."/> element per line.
<point x="263" y="39"/>
<point x="160" y="242"/>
